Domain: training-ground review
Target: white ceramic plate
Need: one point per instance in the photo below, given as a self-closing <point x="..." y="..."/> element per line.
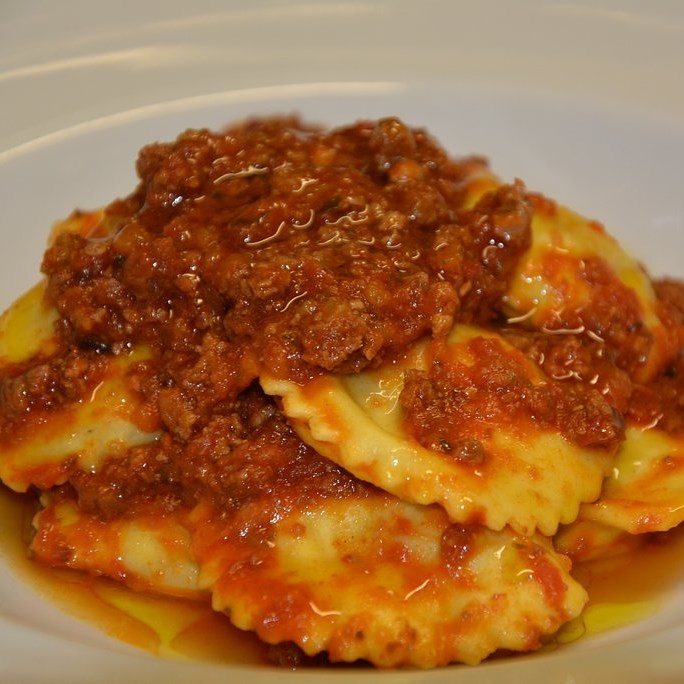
<point x="583" y="100"/>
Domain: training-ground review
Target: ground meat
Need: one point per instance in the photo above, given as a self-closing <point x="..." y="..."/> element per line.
<point x="281" y="247"/>
<point x="577" y="360"/>
<point x="448" y="407"/>
<point x="244" y="453"/>
<point x="316" y="248"/>
<point x="48" y="386"/>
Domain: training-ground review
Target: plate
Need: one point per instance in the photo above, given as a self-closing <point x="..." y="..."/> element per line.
<point x="582" y="100"/>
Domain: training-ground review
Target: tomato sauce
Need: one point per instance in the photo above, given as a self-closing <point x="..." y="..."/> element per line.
<point x="282" y="247"/>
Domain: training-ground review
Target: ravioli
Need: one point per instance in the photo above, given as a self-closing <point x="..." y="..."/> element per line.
<point x="82" y="436"/>
<point x="643" y="494"/>
<point x="27" y="329"/>
<point x="645" y="491"/>
<point x="373" y="578"/>
<point x="81" y="432"/>
<point x="576" y="279"/>
<point x="149" y="552"/>
<point x="521" y="473"/>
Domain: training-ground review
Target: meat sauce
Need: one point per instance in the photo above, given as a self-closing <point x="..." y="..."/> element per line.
<point x="279" y="245"/>
<point x="271" y="245"/>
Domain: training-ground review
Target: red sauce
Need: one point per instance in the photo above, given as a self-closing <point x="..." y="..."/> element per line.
<point x="280" y="247"/>
<point x="456" y="403"/>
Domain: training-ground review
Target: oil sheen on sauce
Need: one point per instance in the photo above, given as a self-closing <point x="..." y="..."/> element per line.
<point x="183" y="629"/>
<point x="169" y="627"/>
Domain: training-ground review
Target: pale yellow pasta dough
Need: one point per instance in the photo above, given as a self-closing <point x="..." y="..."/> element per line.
<point x="645" y="491"/>
<point x="375" y="578"/>
<point x="532" y="477"/>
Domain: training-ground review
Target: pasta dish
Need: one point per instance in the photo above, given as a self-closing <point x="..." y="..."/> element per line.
<point x="368" y="399"/>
